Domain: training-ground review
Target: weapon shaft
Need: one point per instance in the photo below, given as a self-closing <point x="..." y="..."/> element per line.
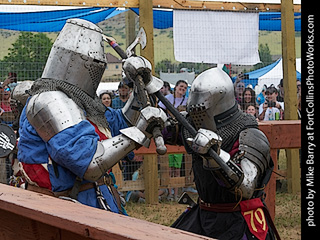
<point x="193" y="132"/>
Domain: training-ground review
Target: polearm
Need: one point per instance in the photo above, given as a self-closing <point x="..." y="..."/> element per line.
<point x="140" y="39"/>
<point x="179" y="118"/>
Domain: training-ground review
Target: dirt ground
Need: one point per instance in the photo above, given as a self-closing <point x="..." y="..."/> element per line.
<point x="287" y="220"/>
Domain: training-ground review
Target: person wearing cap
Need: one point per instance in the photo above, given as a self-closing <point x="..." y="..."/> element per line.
<point x="271" y="104"/>
<point x="124" y="94"/>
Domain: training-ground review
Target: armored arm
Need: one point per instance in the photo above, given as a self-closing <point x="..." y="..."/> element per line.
<point x="110" y="151"/>
<point x="249" y="166"/>
<point x="50" y="113"/>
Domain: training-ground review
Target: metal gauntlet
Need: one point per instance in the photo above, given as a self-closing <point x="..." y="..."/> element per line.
<point x="134" y="66"/>
<point x="206" y="139"/>
<point x="108" y="153"/>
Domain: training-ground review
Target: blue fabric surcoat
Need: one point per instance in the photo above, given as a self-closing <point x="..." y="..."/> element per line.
<point x="71" y="150"/>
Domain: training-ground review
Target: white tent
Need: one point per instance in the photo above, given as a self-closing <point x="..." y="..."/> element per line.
<point x="271" y="74"/>
<point x="172" y="78"/>
<point x="107" y="86"/>
<point x="276" y="74"/>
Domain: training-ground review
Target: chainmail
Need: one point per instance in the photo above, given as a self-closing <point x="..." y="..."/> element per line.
<point x="93" y="108"/>
<point x="230" y="131"/>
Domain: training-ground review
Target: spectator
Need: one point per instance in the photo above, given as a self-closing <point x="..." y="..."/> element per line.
<point x="239" y="87"/>
<point x="261" y="96"/>
<point x="11" y="81"/>
<point x="124" y="94"/>
<point x="298" y="86"/>
<point x="280" y="96"/>
<point x="251" y="109"/>
<point x="178" y="98"/>
<point x="268" y="109"/>
<point x="166" y="89"/>
<point x="7" y="115"/>
<point x="249" y="98"/>
<point x="5" y="99"/>
<point x="106" y="98"/>
<point x="179" y="101"/>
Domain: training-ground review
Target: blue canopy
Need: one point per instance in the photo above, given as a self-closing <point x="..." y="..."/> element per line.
<point x="50" y="21"/>
<point x="53" y="21"/>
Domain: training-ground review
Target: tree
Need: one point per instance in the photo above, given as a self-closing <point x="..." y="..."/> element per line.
<point x="265" y="56"/>
<point x="28" y="56"/>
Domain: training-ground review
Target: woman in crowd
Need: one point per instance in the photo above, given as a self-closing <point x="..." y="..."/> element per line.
<point x="251" y="109"/>
<point x="106" y="98"/>
<point x="249" y="98"/>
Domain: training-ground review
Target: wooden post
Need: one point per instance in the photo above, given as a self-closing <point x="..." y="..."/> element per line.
<point x="130" y="27"/>
<point x="164" y="170"/>
<point x="290" y="88"/>
<point x="150" y="173"/>
<point x="146" y="21"/>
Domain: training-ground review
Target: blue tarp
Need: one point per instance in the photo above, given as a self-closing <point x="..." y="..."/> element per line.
<point x="53" y="21"/>
<point x="272" y="21"/>
<point x="268" y="21"/>
<point x="50" y="21"/>
<point x="161" y="19"/>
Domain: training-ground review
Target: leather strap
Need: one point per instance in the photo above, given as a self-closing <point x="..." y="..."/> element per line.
<point x="48" y="192"/>
<point x="219" y="207"/>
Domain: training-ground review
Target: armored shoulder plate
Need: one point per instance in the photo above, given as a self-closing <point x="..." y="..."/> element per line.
<point x="51" y="112"/>
<point x="256" y="147"/>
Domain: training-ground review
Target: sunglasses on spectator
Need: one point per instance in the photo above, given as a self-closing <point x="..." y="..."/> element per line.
<point x="271" y="90"/>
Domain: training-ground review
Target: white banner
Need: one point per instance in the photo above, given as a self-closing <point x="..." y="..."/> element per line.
<point x="216" y="37"/>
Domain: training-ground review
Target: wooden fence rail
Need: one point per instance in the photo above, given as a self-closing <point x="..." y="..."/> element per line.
<point x="281" y="135"/>
<point x="33" y="216"/>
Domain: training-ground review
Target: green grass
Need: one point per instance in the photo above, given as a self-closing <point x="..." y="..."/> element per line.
<point x="287" y="218"/>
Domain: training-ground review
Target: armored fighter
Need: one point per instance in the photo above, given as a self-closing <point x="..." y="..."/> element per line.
<point x="65" y="146"/>
<point x="230" y="204"/>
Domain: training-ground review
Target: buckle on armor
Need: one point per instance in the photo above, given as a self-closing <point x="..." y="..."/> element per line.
<point x="107" y="180"/>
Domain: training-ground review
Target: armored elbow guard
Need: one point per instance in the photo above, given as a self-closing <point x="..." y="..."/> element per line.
<point x="255" y="151"/>
<point x="223" y="178"/>
<point x="108" y="153"/>
<point x="255" y="146"/>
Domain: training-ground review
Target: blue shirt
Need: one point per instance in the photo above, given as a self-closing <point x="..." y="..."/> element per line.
<point x="117" y="103"/>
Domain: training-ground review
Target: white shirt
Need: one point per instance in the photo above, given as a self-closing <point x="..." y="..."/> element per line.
<point x="177" y="101"/>
<point x="271" y="113"/>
